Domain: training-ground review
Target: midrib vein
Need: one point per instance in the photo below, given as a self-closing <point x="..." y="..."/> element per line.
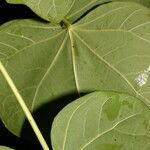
<point x="145" y="101"/>
<point x="48" y="70"/>
<point x="68" y="124"/>
<point x="73" y="62"/>
<point x="70" y="119"/>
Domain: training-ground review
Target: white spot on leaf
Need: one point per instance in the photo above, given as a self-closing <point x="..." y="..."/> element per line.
<point x="143" y="77"/>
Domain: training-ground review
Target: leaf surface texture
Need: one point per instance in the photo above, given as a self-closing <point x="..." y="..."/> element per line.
<point x="106" y="50"/>
<point x="102" y="120"/>
<point x="57" y="10"/>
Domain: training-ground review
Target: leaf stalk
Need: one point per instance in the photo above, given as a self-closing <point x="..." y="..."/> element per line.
<point x="24" y="107"/>
<point x="66" y="22"/>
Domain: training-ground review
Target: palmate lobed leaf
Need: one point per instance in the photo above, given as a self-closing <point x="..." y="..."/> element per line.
<point x="102" y="121"/>
<point x="106" y="50"/>
<point x="56" y="10"/>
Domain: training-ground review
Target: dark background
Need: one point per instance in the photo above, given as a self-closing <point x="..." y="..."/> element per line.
<point x="9" y="12"/>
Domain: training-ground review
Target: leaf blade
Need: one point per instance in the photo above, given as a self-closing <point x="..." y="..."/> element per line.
<point x="76" y="63"/>
<point x="56" y="10"/>
<point x="97" y="120"/>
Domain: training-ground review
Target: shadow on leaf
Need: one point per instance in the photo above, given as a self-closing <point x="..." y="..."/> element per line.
<point x="44" y="117"/>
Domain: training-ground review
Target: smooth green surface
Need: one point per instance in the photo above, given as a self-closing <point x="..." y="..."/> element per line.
<point x="5" y="148"/>
<point x="102" y="121"/>
<point x="143" y="2"/>
<point x="107" y="50"/>
<point x="56" y="10"/>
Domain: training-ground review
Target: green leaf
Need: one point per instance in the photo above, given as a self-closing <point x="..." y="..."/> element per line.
<point x="51" y="10"/>
<point x="102" y="120"/>
<point x="5" y="148"/>
<point x="15" y="1"/>
<point x="143" y="2"/>
<point x="56" y="10"/>
<point x="107" y="50"/>
<point x="80" y="7"/>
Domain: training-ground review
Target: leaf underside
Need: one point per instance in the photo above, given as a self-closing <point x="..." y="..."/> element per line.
<point x="102" y="120"/>
<point x="56" y="10"/>
<point x="106" y="50"/>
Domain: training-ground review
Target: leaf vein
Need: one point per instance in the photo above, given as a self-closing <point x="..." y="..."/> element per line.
<point x="103" y="15"/>
<point x="47" y="71"/>
<point x="69" y="121"/>
<point x="129" y="16"/>
<point x="107" y="63"/>
<point x="101" y="134"/>
<point x="74" y="63"/>
<point x="10" y="46"/>
<point x="47" y="39"/>
<point x="82" y="8"/>
<point x="23" y="37"/>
